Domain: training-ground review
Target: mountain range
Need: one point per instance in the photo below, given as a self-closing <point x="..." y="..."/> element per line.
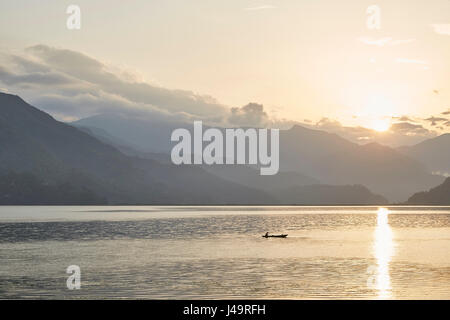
<point x="113" y="159"/>
<point x="55" y="153"/>
<point x="307" y="157"/>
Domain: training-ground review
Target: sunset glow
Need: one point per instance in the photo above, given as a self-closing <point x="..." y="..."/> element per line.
<point x="277" y="55"/>
<point x="213" y="150"/>
<point x="383" y="250"/>
<point x="381" y="125"/>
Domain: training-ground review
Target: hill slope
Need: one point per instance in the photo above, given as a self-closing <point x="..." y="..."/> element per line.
<point x="439" y="195"/>
<point x="56" y="153"/>
<point x="334" y="160"/>
<point x="427" y="151"/>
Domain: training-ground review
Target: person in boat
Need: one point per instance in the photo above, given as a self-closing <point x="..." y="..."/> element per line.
<point x="266" y="235"/>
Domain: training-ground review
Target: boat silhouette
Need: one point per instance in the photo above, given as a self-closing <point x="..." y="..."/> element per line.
<point x="275" y="235"/>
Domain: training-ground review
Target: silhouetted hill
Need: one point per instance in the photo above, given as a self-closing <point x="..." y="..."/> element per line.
<point x="330" y="195"/>
<point x="439" y="195"/>
<point x="32" y="141"/>
<point x="334" y="160"/>
<point x="27" y="189"/>
<point x="434" y="153"/>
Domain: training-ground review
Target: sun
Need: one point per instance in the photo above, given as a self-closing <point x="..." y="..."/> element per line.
<point x="376" y="112"/>
<point x="381" y="125"/>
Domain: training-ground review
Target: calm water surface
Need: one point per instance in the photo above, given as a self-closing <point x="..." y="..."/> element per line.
<point x="218" y="252"/>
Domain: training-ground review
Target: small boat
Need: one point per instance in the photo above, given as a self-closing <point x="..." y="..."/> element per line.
<point x="275" y="236"/>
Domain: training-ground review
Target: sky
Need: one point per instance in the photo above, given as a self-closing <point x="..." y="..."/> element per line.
<point x="315" y="62"/>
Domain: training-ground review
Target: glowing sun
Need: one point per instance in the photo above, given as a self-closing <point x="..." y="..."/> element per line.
<point x="381" y="125"/>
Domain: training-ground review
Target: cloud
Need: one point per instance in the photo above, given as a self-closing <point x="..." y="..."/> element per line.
<point x="435" y="120"/>
<point x="443" y="29"/>
<point x="328" y="123"/>
<point x="403" y="118"/>
<point x="94" y="103"/>
<point x="262" y="7"/>
<point x="384" y="41"/>
<point x="409" y="129"/>
<point x="400" y="133"/>
<point x="28" y="64"/>
<point x="355" y="134"/>
<point x="71" y="84"/>
<point x="88" y="70"/>
<point x="250" y="115"/>
<point x="446" y="113"/>
<point x="33" y="79"/>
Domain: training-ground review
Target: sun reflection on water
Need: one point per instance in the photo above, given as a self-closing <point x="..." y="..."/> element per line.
<point x="383" y="251"/>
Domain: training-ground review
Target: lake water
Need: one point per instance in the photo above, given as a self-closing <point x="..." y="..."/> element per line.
<point x="218" y="252"/>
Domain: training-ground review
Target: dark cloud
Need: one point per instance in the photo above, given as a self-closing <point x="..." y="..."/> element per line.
<point x="328" y="123"/>
<point x="403" y="118"/>
<point x="33" y="79"/>
<point x="89" y="70"/>
<point x="409" y="128"/>
<point x="71" y="85"/>
<point x="435" y="120"/>
<point x="87" y="103"/>
<point x="352" y="133"/>
<point x="250" y="115"/>
<point x="446" y="113"/>
<point x="28" y="64"/>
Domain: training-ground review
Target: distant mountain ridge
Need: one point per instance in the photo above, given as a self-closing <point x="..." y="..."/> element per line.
<point x="434" y="153"/>
<point x="144" y="134"/>
<point x="317" y="155"/>
<point x="334" y="160"/>
<point x="288" y="187"/>
<point x="50" y="162"/>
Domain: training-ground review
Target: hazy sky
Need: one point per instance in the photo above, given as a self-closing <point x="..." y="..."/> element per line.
<point x="301" y="59"/>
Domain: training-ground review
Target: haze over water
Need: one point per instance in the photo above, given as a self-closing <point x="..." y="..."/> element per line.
<point x="218" y="252"/>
